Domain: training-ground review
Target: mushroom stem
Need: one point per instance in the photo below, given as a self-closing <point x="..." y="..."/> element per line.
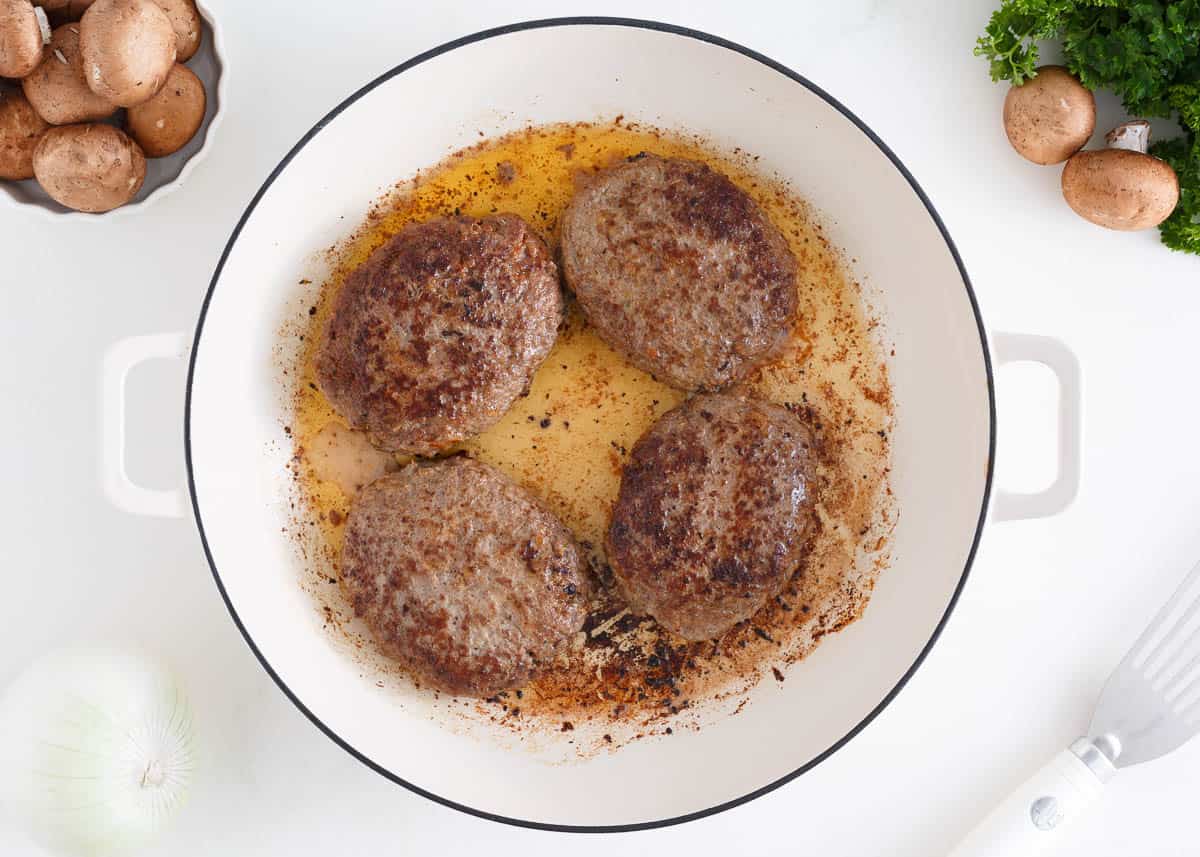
<point x="1133" y="136"/>
<point x="43" y="23"/>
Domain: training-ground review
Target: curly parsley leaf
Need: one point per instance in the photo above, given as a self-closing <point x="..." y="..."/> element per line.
<point x="1184" y="98"/>
<point x="1181" y="231"/>
<point x="1135" y="48"/>
<point x="1010" y="41"/>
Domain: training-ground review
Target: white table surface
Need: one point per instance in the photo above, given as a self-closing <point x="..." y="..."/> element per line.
<point x="1051" y="604"/>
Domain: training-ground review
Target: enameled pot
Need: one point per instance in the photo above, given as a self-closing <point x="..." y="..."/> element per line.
<point x="573" y="69"/>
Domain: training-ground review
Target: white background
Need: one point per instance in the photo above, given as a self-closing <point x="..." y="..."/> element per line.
<point x="1050" y="607"/>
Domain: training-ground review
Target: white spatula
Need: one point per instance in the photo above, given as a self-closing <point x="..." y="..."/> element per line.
<point x="1150" y="706"/>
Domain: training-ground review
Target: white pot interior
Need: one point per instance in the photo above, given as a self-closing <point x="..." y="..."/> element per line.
<point x="411" y="120"/>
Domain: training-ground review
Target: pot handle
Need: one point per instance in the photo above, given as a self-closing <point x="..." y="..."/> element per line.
<point x="1053" y="354"/>
<point x="118" y="360"/>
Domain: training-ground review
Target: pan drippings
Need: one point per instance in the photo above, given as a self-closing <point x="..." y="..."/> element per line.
<point x="568" y="437"/>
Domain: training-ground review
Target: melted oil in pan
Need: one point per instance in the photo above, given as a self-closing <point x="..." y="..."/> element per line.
<point x="568" y="438"/>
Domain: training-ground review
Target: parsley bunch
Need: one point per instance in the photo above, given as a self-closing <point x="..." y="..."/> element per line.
<point x="1146" y="51"/>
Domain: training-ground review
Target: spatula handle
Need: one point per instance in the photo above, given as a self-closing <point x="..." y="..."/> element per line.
<point x="1034" y="815"/>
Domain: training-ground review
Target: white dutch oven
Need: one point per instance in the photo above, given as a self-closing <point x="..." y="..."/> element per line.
<point x="576" y="69"/>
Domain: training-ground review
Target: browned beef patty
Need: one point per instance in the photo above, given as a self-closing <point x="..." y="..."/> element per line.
<point x="435" y="335"/>
<point x="680" y="270"/>
<point x="713" y="515"/>
<point x="462" y="576"/>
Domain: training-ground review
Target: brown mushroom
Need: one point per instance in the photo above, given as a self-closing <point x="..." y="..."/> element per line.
<point x="128" y="47"/>
<point x="24" y="32"/>
<point x="90" y="168"/>
<point x="185" y="21"/>
<point x="167" y="121"/>
<point x="1121" y="187"/>
<point x="1049" y="117"/>
<point x="20" y="130"/>
<point x="57" y="89"/>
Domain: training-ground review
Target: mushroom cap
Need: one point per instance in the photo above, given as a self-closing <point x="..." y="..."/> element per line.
<point x="1120" y="189"/>
<point x="1049" y="117"/>
<point x="92" y="168"/>
<point x="20" y="38"/>
<point x="128" y="47"/>
<point x="185" y="21"/>
<point x="166" y="122"/>
<point x="20" y="130"/>
<point x="57" y="88"/>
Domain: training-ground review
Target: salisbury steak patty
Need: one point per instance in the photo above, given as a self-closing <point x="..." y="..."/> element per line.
<point x="713" y="514"/>
<point x="680" y="270"/>
<point x="435" y="335"/>
<point x="462" y="576"/>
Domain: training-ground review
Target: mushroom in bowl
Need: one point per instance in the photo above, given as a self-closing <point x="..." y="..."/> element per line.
<point x="97" y="68"/>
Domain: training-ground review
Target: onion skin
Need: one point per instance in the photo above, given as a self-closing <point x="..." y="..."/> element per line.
<point x="97" y="750"/>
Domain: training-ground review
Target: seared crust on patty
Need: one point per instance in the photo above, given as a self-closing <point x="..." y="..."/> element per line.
<point x="435" y="335"/>
<point x="462" y="576"/>
<point x="713" y="514"/>
<point x="680" y="270"/>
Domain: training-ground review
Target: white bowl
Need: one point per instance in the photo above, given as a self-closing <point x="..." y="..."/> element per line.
<point x="163" y="175"/>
